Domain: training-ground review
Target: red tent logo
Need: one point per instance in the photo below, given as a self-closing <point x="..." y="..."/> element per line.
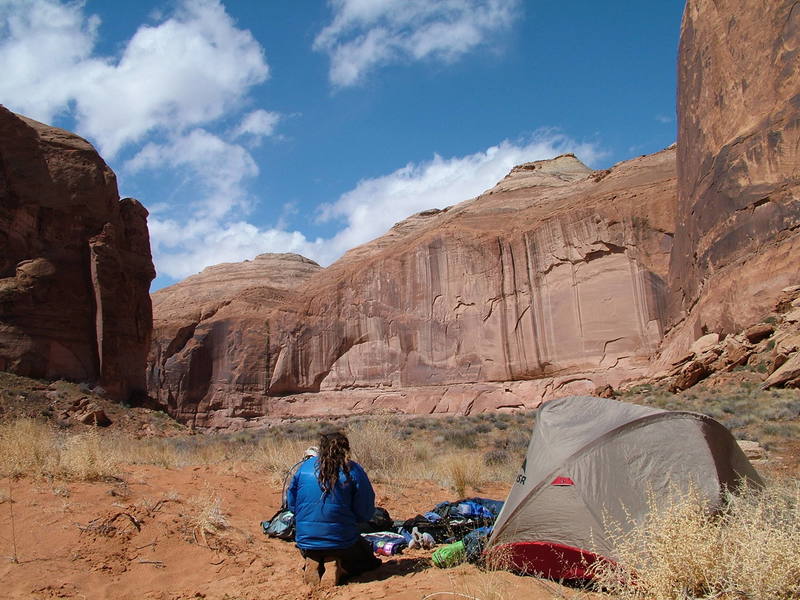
<point x="562" y="481"/>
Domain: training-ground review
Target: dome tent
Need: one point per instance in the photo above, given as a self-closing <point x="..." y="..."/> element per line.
<point x="593" y="461"/>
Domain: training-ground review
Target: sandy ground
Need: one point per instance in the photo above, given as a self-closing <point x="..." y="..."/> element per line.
<point x="137" y="538"/>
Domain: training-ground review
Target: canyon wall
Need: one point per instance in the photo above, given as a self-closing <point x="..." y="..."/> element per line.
<point x="737" y="236"/>
<point x="75" y="264"/>
<point x="211" y="334"/>
<point x="551" y="282"/>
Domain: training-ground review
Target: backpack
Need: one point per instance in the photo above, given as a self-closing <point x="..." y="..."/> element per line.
<point x="281" y="525"/>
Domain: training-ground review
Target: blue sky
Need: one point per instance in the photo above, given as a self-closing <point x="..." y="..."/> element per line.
<point x="269" y="126"/>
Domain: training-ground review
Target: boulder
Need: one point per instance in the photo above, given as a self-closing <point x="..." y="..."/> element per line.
<point x="605" y="391"/>
<point x="756" y="333"/>
<point x="690" y="375"/>
<point x="793" y="316"/>
<point x="787" y="375"/>
<point x="704" y="343"/>
<point x="75" y="265"/>
<point x="92" y="414"/>
<point x="736" y="353"/>
<point x="752" y="450"/>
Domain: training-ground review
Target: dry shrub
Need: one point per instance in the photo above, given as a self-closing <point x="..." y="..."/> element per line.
<point x="88" y="457"/>
<point x="33" y="449"/>
<point x="461" y="471"/>
<point x="375" y="446"/>
<point x="27" y="448"/>
<point x="751" y="549"/>
<point x="151" y="451"/>
<point x="207" y="517"/>
<point x="277" y="456"/>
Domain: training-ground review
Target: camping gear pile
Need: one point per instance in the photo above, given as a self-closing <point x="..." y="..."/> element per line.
<point x="465" y="525"/>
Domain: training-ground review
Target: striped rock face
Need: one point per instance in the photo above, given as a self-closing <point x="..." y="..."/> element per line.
<point x="552" y="281"/>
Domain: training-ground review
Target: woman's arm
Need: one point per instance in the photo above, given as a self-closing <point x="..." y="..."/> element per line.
<point x="364" y="497"/>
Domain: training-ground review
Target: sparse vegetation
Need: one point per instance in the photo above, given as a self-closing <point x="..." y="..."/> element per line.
<point x="749" y="550"/>
<point x="207" y="517"/>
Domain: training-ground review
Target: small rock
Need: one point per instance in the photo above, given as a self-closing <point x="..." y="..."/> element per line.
<point x="759" y="332"/>
<point x="604" y="391"/>
<point x="94" y="415"/>
<point x="791" y="289"/>
<point x="752" y="450"/>
<point x="704" y="343"/>
<point x="689" y="375"/>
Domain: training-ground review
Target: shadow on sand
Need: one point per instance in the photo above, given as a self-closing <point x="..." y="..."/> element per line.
<point x="393" y="568"/>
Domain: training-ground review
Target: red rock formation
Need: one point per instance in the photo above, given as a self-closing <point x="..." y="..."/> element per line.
<point x="75" y="265"/>
<point x="211" y="334"/>
<point x="550" y="282"/>
<point x="738" y="231"/>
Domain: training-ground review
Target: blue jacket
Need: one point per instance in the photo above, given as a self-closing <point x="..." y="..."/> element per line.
<point x="329" y="522"/>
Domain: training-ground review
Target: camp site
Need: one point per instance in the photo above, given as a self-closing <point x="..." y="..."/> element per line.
<point x="399" y="299"/>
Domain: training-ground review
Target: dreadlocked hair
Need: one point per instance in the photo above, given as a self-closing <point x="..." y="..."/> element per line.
<point x="334" y="449"/>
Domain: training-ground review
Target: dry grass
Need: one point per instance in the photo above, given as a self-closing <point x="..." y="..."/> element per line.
<point x="33" y="448"/>
<point x="277" y="456"/>
<point x="750" y="550"/>
<point x="373" y="443"/>
<point x="207" y="517"/>
<point x="460" y="472"/>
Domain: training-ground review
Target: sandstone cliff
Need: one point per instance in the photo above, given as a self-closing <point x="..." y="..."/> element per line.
<point x="211" y="333"/>
<point x="737" y="236"/>
<point x="75" y="265"/>
<point x="551" y="282"/>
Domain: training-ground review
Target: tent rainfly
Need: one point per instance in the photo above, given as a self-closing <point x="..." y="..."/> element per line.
<point x="593" y="461"/>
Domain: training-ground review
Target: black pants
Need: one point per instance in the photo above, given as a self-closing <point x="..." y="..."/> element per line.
<point x="355" y="560"/>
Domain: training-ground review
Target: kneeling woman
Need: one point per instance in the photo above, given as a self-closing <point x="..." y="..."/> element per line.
<point x="329" y="495"/>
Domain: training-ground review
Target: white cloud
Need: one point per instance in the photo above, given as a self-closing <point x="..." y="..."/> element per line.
<point x="367" y="33"/>
<point x="181" y="249"/>
<point x="374" y="205"/>
<point x="258" y="123"/>
<point x="187" y="70"/>
<point x="220" y="170"/>
<point x="367" y="211"/>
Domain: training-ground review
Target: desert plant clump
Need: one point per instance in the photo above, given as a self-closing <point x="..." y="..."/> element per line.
<point x="207" y="517"/>
<point x="88" y="457"/>
<point x="371" y="444"/>
<point x="748" y="549"/>
<point x="460" y="472"/>
<point x="31" y="448"/>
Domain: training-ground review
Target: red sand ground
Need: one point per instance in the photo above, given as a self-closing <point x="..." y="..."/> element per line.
<point x="80" y="540"/>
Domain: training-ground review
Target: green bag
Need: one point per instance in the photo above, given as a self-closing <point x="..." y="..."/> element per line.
<point x="450" y="555"/>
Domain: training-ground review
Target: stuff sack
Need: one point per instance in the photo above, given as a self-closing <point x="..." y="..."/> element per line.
<point x="280" y="526"/>
<point x="380" y="521"/>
